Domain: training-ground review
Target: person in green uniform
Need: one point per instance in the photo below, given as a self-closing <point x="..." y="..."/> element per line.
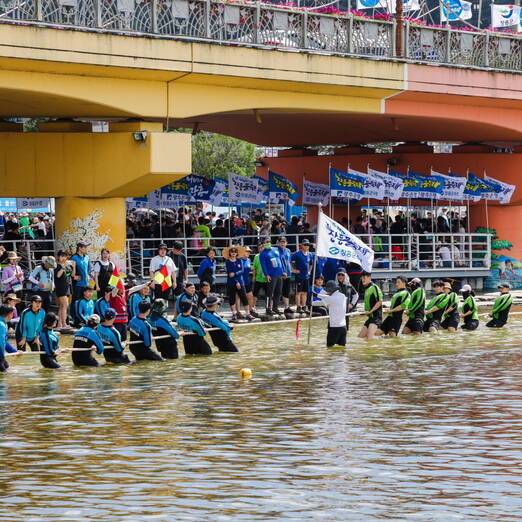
<point x="415" y="310"/>
<point x="372" y="306"/>
<point x="450" y="317"/>
<point x="435" y="308"/>
<point x="392" y="323"/>
<point x="260" y="281"/>
<point x="469" y="310"/>
<point x="500" y="311"/>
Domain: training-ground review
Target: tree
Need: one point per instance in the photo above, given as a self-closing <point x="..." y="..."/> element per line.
<point x="214" y="155"/>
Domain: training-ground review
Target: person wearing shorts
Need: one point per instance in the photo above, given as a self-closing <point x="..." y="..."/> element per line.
<point x="450" y="317"/>
<point x="273" y="271"/>
<point x="392" y="324"/>
<point x="260" y="282"/>
<point x="372" y="306"/>
<point x="235" y="282"/>
<point x="285" y="255"/>
<point x="302" y="262"/>
<point x="415" y="310"/>
<point x="435" y="308"/>
<point x="247" y="277"/>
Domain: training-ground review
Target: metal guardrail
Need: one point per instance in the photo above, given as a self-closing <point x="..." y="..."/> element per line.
<point x="267" y="26"/>
<point x="414" y="252"/>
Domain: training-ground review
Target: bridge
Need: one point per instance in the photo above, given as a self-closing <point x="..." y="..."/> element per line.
<point x="268" y="75"/>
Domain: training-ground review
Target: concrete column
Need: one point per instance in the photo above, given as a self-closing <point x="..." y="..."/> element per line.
<point x="98" y="221"/>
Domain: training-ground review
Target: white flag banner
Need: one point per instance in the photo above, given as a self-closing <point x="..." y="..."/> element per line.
<point x="371" y="4"/>
<point x="241" y="189"/>
<point x="393" y="185"/>
<point x="154" y="199"/>
<point x="408" y="5"/>
<point x="507" y="189"/>
<point x="453" y="186"/>
<point x="315" y="193"/>
<point x="31" y="203"/>
<point x="505" y="15"/>
<point x="333" y="240"/>
<point x="217" y="194"/>
<point x="455" y="10"/>
<point x="374" y="186"/>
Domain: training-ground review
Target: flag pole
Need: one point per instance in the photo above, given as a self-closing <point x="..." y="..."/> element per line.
<point x="348" y="202"/>
<point x="330" y="185"/>
<point x="486" y="204"/>
<point x="467" y="215"/>
<point x="319" y="212"/>
<point x="368" y="215"/>
<point x="230" y="213"/>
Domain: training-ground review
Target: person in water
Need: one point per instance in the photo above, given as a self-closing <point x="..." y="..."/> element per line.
<point x="163" y="327"/>
<point x="469" y="310"/>
<point x="141" y="335"/>
<point x="50" y="342"/>
<point x="195" y="343"/>
<point x="500" y="312"/>
<point x="450" y="317"/>
<point x="30" y="325"/>
<point x="221" y="337"/>
<point x="103" y="303"/>
<point x="415" y="308"/>
<point x="435" y="308"/>
<point x="113" y="347"/>
<point x="399" y="303"/>
<point x="335" y="301"/>
<point x="88" y="340"/>
<point x="6" y="316"/>
<point x="188" y="295"/>
<point x="83" y="307"/>
<point x="372" y="306"/>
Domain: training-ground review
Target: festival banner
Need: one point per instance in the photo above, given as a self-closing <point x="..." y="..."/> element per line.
<point x="453" y="186"/>
<point x="393" y="186"/>
<point x="32" y="203"/>
<point x="491" y="190"/>
<point x="455" y="10"/>
<point x="218" y="194"/>
<point x="373" y="185"/>
<point x="176" y="193"/>
<point x="241" y="189"/>
<point x="136" y="203"/>
<point x="281" y="190"/>
<point x="200" y="188"/>
<point x="473" y="189"/>
<point x="154" y="200"/>
<point x="505" y="15"/>
<point x="262" y="189"/>
<point x="420" y="186"/>
<point x="346" y="184"/>
<point x="315" y="193"/>
<point x="506" y="189"/>
<point x="334" y="241"/>
<point x="408" y="5"/>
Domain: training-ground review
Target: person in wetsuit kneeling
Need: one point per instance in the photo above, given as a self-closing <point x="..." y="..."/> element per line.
<point x="88" y="340"/>
<point x="163" y="327"/>
<point x="221" y="338"/>
<point x="49" y="341"/>
<point x="113" y="345"/>
<point x="141" y="335"/>
<point x="195" y="343"/>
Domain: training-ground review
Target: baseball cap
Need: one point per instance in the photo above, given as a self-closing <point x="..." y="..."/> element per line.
<point x="109" y="314"/>
<point x="466" y="288"/>
<point x="185" y="306"/>
<point x="81" y="244"/>
<point x="504" y="285"/>
<point x="35" y="299"/>
<point x="211" y="300"/>
<point x="282" y="238"/>
<point x="304" y="242"/>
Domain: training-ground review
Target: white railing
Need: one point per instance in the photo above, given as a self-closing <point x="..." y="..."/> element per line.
<point x="269" y="26"/>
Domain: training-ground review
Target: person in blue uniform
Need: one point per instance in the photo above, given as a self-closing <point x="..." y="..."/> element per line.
<point x="302" y="261"/>
<point x="82" y="269"/>
<point x="221" y="338"/>
<point x="285" y="254"/>
<point x="83" y="308"/>
<point x="141" y="335"/>
<point x="188" y="295"/>
<point x="272" y="267"/>
<point x="30" y="325"/>
<point x="88" y="340"/>
<point x="137" y="295"/>
<point x="207" y="268"/>
<point x="103" y="303"/>
<point x="235" y="283"/>
<point x="161" y="327"/>
<point x="6" y="315"/>
<point x="113" y="347"/>
<point x="195" y="343"/>
<point x="50" y="342"/>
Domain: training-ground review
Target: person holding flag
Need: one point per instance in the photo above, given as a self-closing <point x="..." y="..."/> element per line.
<point x="162" y="271"/>
<point x="335" y="301"/>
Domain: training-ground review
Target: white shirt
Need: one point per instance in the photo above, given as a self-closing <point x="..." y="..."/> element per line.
<point x="157" y="262"/>
<point x="336" y="304"/>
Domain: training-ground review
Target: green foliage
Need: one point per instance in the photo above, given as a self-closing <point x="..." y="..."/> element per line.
<point x="500" y="244"/>
<point x="214" y="155"/>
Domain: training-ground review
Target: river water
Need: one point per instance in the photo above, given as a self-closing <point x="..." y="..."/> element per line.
<point x="404" y="429"/>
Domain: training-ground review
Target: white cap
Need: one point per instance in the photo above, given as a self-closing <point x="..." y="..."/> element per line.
<point x="466" y="288"/>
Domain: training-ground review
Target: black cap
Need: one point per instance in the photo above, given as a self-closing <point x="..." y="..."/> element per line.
<point x="109" y="288"/>
<point x="81" y="244"/>
<point x="331" y="287"/>
<point x="163" y="245"/>
<point x="282" y="238"/>
<point x="109" y="314"/>
<point x="35" y="298"/>
<point x="185" y="306"/>
<point x="211" y="300"/>
<point x="304" y="242"/>
<point x="504" y="285"/>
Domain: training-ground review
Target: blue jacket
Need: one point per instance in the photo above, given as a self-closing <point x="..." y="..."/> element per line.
<point x="236" y="268"/>
<point x="214" y="319"/>
<point x="86" y="334"/>
<point x="331" y="267"/>
<point x="186" y="297"/>
<point x="83" y="269"/>
<point x="321" y="261"/>
<point x="285" y="260"/>
<point x="142" y="329"/>
<point x="159" y="321"/>
<point x="271" y="262"/>
<point x="5" y="347"/>
<point x="302" y="262"/>
<point x="82" y="309"/>
<point x="30" y="324"/>
<point x="109" y="335"/>
<point x="50" y="341"/>
<point x="191" y="324"/>
<point x="247" y="271"/>
<point x="207" y="264"/>
<point x="100" y="306"/>
<point x="133" y="304"/>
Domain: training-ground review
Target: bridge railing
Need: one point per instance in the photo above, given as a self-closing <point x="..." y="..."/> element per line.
<point x="253" y="24"/>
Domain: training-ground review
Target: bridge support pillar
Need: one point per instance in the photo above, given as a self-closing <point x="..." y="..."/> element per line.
<point x="98" y="221"/>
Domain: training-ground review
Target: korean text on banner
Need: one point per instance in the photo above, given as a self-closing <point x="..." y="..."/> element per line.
<point x="393" y="186"/>
<point x="315" y="193"/>
<point x="346" y="184"/>
<point x="453" y="186"/>
<point x="281" y="189"/>
<point x="241" y="189"/>
<point x="333" y="240"/>
<point x="506" y="189"/>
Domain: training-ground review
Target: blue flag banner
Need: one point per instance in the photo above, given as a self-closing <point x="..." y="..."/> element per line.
<point x="201" y="188"/>
<point x="281" y="189"/>
<point x="473" y="188"/>
<point x="176" y="192"/>
<point x="346" y="184"/>
<point x="262" y="189"/>
<point x="420" y="186"/>
<point x="491" y="190"/>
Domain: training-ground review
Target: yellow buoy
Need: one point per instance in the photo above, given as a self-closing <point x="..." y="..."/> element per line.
<point x="245" y="372"/>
